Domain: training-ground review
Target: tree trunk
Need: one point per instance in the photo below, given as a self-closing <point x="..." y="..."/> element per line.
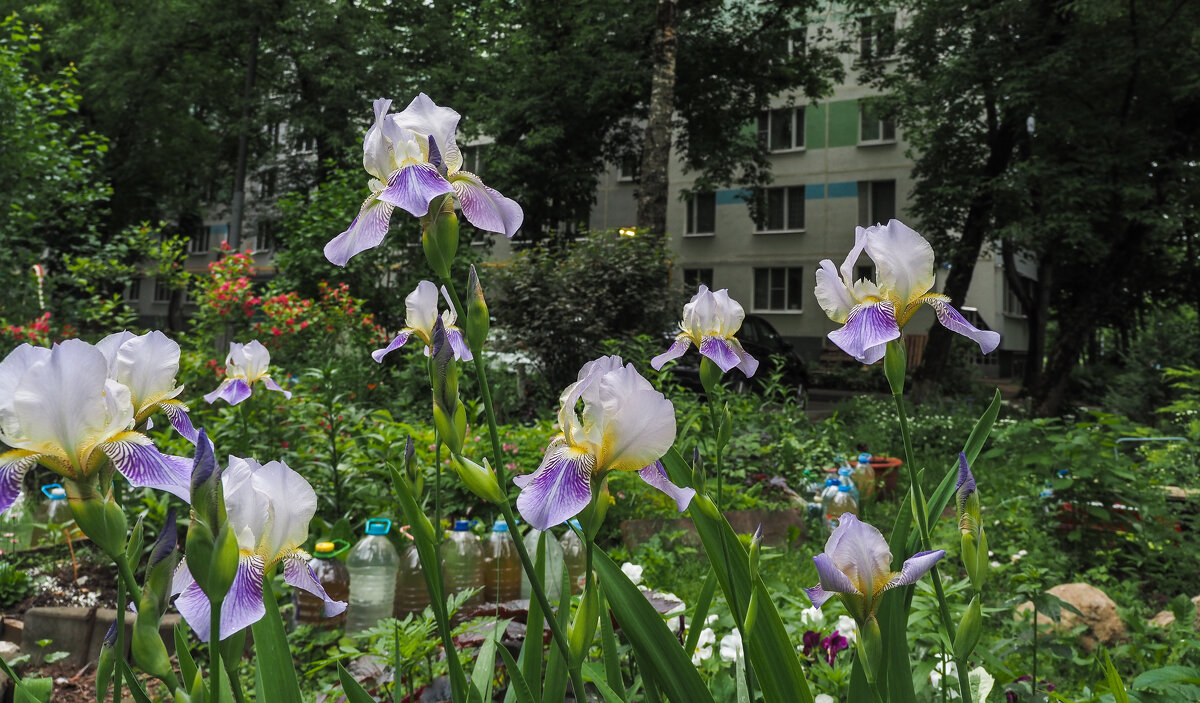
<point x="1001" y="140"/>
<point x="656" y="148"/>
<point x="243" y="147"/>
<point x="1036" y="349"/>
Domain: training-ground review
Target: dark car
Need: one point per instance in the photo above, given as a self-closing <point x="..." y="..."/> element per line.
<point x="760" y="339"/>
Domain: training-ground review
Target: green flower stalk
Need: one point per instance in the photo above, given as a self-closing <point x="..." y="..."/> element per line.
<point x="148" y="649"/>
<point x="449" y="413"/>
<point x="476" y="321"/>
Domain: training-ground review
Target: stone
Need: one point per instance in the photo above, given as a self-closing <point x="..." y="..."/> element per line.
<point x="8" y="652"/>
<point x="1166" y="618"/>
<point x="80" y="631"/>
<point x="1104" y="625"/>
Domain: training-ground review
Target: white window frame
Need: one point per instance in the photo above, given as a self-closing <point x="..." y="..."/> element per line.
<point x="786" y="293"/>
<point x="786" y="230"/>
<point x="797" y="119"/>
<point x="162" y="293"/>
<point x="258" y="247"/>
<point x="199" y="241"/>
<point x="691" y="220"/>
<point x="868" y="189"/>
<point x="133" y="293"/>
<point x="711" y="275"/>
<point x="870" y="37"/>
<point x="863" y="113"/>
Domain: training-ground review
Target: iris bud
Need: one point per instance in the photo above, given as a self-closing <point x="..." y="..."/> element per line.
<point x="479" y="479"/>
<point x="440" y="238"/>
<point x="710" y="375"/>
<point x="476" y="321"/>
<point x="148" y="649"/>
<point x="725" y="431"/>
<point x="101" y="519"/>
<point x="870" y="647"/>
<point x="969" y="630"/>
<point x="583" y="627"/>
<point x="895" y="362"/>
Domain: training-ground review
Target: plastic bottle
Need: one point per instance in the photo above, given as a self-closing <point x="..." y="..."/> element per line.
<point x="501" y="565"/>
<point x="827" y="494"/>
<point x="554" y="564"/>
<point x="843" y="502"/>
<point x="54" y="511"/>
<point x="333" y="576"/>
<point x="462" y="561"/>
<point x="372" y="564"/>
<point x="846" y="478"/>
<point x="574" y="556"/>
<point x="864" y="475"/>
<point x="411" y="593"/>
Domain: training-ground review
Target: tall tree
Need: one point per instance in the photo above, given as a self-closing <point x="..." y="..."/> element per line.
<point x="656" y="147"/>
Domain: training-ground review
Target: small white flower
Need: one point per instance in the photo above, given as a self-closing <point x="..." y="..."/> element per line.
<point x="824" y="698"/>
<point x="704" y="646"/>
<point x="945" y="667"/>
<point x="731" y="647"/>
<point x="995" y="564"/>
<point x="812" y="618"/>
<point x="847" y="628"/>
<point x="710" y="619"/>
<point x="633" y="571"/>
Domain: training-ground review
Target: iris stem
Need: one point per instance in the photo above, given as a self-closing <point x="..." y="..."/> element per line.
<point x="214" y="650"/>
<point x="918" y="501"/>
<point x="120" y="623"/>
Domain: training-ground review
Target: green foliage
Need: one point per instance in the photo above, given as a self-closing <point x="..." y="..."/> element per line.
<point x="15" y="585"/>
<point x="564" y="302"/>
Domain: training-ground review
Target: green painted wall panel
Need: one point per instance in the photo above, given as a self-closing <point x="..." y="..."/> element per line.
<point x="843" y="123"/>
<point x="814" y="126"/>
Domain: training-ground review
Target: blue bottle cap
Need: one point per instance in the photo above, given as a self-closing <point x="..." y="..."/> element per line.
<point x="831" y="482"/>
<point x="378" y="526"/>
<point x="499" y="526"/>
<point x="845" y="471"/>
<point x="865" y="456"/>
<point x="54" y="491"/>
<point x="462" y="525"/>
<point x="844" y="488"/>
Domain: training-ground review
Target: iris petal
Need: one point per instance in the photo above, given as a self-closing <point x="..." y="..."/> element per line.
<point x="392" y="346"/>
<point x="231" y="390"/>
<point x="485" y="207"/>
<point x="177" y="413"/>
<point x="273" y="386"/>
<point x="558" y="490"/>
<point x="953" y="320"/>
<point x="366" y="231"/>
<point x="136" y="457"/>
<point x="677" y="349"/>
<point x="299" y="574"/>
<point x="13" y="465"/>
<point x="915" y="567"/>
<point x="414" y="187"/>
<point x="720" y="351"/>
<point x="867" y="331"/>
<point x="656" y="475"/>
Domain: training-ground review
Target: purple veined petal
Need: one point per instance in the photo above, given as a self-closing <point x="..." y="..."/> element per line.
<point x="720" y="351"/>
<point x="965" y="478"/>
<point x="656" y="476"/>
<point x="455" y="337"/>
<point x="366" y="231"/>
<point x="558" y="490"/>
<point x="414" y="187"/>
<point x="273" y="386"/>
<point x="746" y="363"/>
<point x="13" y="465"/>
<point x="485" y="207"/>
<point x="299" y="574"/>
<point x="397" y="342"/>
<point x="677" y="349"/>
<point x="868" y="329"/>
<point x="139" y="461"/>
<point x="177" y="413"/>
<point x="192" y="604"/>
<point x="915" y="567"/>
<point x="817" y="595"/>
<point x="242" y="607"/>
<point x="859" y="550"/>
<point x="831" y="578"/>
<point x="231" y="390"/>
<point x="953" y="320"/>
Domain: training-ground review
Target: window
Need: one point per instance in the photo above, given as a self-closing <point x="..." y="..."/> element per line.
<point x="781" y="209"/>
<point x="694" y="278"/>
<point x="264" y="236"/>
<point x="198" y="242"/>
<point x="630" y="167"/>
<point x="877" y="36"/>
<point x="306" y="144"/>
<point x="162" y="292"/>
<point x="779" y="289"/>
<point x="1012" y="303"/>
<point x="791" y="42"/>
<point x="473" y="158"/>
<point x="701" y="213"/>
<point x="267" y="185"/>
<point x="873" y="127"/>
<point x="782" y="129"/>
<point x="879" y="199"/>
<point x="134" y="292"/>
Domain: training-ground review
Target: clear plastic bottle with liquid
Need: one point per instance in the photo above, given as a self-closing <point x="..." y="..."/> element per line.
<point x="864" y="475"/>
<point x="333" y="576"/>
<point x="554" y="564"/>
<point x="501" y="565"/>
<point x="412" y="595"/>
<point x="372" y="564"/>
<point x="574" y="555"/>
<point x="842" y="502"/>
<point x="462" y="561"/>
<point x="846" y="478"/>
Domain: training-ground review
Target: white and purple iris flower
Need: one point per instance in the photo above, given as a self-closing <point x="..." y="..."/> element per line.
<point x="710" y="321"/>
<point x="872" y="312"/>
<point x="625" y="425"/>
<point x="413" y="158"/>
<point x="420" y="316"/>
<point x="59" y="408"/>
<point x="245" y="364"/>
<point x="268" y="507"/>
<point x="856" y="565"/>
<point x="147" y="365"/>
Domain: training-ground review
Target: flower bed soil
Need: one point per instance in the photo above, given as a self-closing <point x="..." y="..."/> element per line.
<point x="54" y="579"/>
